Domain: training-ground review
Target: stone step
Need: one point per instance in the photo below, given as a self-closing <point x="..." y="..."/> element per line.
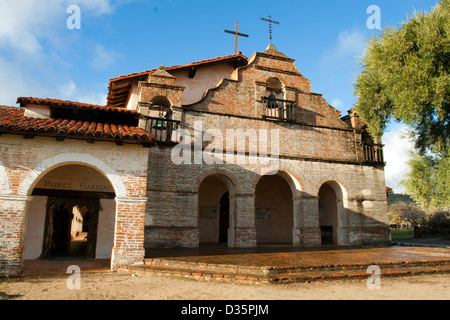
<point x="270" y="270"/>
<point x="359" y="274"/>
<point x="227" y="273"/>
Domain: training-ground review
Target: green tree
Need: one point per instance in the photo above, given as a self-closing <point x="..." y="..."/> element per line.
<point x="405" y="76"/>
<point x="428" y="180"/>
<point x="408" y="212"/>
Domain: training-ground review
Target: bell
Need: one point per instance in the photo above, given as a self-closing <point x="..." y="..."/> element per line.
<point x="272" y="104"/>
<point x="160" y="123"/>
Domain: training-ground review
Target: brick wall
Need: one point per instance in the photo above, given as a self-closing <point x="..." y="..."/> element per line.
<point x="319" y="148"/>
<point x="23" y="162"/>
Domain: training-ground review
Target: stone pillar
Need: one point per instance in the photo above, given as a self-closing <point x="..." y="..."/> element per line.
<point x="129" y="232"/>
<point x="245" y="221"/>
<point x="12" y="233"/>
<point x="310" y="229"/>
<point x="342" y="223"/>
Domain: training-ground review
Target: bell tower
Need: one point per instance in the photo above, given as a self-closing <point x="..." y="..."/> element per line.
<point x="159" y="94"/>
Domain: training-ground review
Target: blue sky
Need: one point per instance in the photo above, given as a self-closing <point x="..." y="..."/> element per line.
<point x="41" y="57"/>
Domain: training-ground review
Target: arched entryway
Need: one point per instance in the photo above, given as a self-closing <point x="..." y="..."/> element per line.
<point x="274" y="218"/>
<point x="216" y="211"/>
<point x="331" y="213"/>
<point x="71" y="215"/>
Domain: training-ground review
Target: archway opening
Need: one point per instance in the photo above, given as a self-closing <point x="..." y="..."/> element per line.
<point x="274" y="211"/>
<point x="328" y="214"/>
<point x="71" y="215"/>
<point x="213" y="211"/>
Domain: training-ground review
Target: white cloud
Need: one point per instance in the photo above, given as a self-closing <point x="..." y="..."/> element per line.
<point x="102" y="58"/>
<point x="70" y="91"/>
<point x="24" y="22"/>
<point x="337" y="103"/>
<point x="32" y="32"/>
<point x="349" y="46"/>
<point x="97" y="98"/>
<point x="396" y="156"/>
<point x="67" y="90"/>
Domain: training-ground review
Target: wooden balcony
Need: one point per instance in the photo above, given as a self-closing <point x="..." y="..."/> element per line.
<point x="373" y="153"/>
<point x="165" y="130"/>
<point x="279" y="109"/>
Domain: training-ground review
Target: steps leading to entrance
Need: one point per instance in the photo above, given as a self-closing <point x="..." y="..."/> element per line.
<point x="280" y="275"/>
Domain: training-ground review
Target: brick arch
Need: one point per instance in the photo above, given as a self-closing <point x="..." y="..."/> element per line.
<point x="174" y="98"/>
<point x="338" y="187"/>
<point x="280" y="77"/>
<point x="291" y="179"/>
<point x="230" y="181"/>
<point x="45" y="166"/>
<point x="341" y="214"/>
<point x="5" y="185"/>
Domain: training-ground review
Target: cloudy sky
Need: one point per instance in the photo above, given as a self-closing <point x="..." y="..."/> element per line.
<point x="42" y="55"/>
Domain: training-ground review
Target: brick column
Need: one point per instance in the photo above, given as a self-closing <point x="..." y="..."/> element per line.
<point x="245" y="221"/>
<point x="12" y="232"/>
<point x="310" y="229"/>
<point x="129" y="232"/>
<point x="298" y="218"/>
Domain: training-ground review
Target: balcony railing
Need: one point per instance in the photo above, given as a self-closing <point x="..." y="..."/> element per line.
<point x="165" y="130"/>
<point x="373" y="153"/>
<point x="279" y="109"/>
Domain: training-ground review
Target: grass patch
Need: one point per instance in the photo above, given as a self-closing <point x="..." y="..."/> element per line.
<point x="402" y="234"/>
<point x="407" y="235"/>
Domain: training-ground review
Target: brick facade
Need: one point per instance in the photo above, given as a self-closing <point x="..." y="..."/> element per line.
<point x="27" y="161"/>
<point x="157" y="199"/>
<point x="317" y="148"/>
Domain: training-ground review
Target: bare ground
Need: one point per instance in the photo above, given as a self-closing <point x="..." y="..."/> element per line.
<point x="114" y="286"/>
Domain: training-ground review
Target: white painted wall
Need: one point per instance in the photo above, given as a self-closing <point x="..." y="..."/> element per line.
<point x="34" y="230"/>
<point x="105" y="229"/>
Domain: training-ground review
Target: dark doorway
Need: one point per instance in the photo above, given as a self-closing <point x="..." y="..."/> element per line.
<point x="224" y="217"/>
<point x="328" y="214"/>
<point x="61" y="230"/>
<point x="70" y="228"/>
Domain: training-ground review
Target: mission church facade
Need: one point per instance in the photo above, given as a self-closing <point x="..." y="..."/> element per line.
<point x="157" y="167"/>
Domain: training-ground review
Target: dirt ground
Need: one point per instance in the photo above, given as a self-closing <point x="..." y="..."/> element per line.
<point x="115" y="286"/>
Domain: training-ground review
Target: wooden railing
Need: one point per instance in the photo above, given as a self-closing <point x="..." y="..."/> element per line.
<point x="165" y="130"/>
<point x="279" y="109"/>
<point x="373" y="153"/>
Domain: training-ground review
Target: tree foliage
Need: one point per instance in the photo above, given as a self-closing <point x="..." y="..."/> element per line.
<point x="428" y="180"/>
<point x="408" y="212"/>
<point x="406" y="76"/>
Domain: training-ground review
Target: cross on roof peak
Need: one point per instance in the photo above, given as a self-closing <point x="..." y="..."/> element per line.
<point x="270" y="21"/>
<point x="236" y="34"/>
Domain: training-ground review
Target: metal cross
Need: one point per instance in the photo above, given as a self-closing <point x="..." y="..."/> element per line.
<point x="236" y="34"/>
<point x="270" y="21"/>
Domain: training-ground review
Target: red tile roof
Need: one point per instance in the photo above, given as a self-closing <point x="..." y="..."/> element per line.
<point x="13" y="120"/>
<point x="173" y="68"/>
<point x="71" y="104"/>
